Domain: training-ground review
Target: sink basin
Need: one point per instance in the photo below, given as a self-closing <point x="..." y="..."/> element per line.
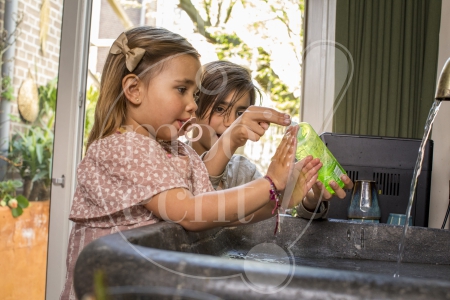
<point x="331" y="259"/>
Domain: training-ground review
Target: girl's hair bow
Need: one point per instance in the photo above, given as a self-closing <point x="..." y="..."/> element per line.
<point x="132" y="56"/>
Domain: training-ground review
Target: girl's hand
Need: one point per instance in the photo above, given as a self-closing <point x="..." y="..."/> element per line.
<point x="320" y="193"/>
<point x="283" y="160"/>
<point x="303" y="178"/>
<point x="253" y="123"/>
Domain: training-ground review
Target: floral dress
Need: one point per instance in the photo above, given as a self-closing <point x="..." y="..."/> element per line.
<point x="118" y="175"/>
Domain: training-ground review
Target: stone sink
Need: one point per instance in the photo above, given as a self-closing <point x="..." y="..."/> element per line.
<point x="329" y="259"/>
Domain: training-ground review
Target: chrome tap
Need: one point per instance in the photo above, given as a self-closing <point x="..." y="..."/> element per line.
<point x="443" y="87"/>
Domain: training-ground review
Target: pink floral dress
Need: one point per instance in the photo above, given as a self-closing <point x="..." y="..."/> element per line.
<point x="117" y="176"/>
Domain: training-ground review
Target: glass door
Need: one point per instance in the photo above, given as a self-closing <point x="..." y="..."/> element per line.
<point x="30" y="54"/>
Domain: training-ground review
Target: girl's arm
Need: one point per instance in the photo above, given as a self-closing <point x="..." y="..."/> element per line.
<point x="221" y="208"/>
<point x="251" y="125"/>
<point x="212" y="209"/>
<point x="300" y="182"/>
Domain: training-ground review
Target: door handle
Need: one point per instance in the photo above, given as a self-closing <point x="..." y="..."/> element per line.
<point x="59" y="181"/>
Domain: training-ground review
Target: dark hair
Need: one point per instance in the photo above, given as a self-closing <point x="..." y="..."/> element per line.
<point x="219" y="79"/>
<point x="159" y="44"/>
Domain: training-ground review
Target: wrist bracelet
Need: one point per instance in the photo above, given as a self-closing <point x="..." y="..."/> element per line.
<point x="275" y="196"/>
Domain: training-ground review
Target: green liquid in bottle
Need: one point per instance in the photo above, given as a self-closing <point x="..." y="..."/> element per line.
<point x="309" y="143"/>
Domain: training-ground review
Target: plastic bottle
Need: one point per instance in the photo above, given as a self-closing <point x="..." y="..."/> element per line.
<point x="309" y="143"/>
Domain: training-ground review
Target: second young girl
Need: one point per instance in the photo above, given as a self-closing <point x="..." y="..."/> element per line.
<point x="225" y="106"/>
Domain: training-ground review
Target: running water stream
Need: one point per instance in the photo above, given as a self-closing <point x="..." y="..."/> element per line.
<point x="431" y="116"/>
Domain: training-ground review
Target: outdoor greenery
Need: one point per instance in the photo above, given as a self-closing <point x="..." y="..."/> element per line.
<point x="34" y="149"/>
<point x="213" y="20"/>
<point x="7" y="89"/>
<point x="31" y="150"/>
<point x="8" y="197"/>
<point x="47" y="102"/>
<point x="250" y="32"/>
<point x="8" y="188"/>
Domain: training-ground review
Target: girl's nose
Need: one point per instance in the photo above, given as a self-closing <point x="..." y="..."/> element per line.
<point x="192" y="106"/>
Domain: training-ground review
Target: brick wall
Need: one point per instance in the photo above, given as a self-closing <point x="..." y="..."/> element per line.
<point x="28" y="50"/>
<point x="28" y="54"/>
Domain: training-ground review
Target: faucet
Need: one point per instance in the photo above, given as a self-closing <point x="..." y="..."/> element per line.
<point x="443" y="93"/>
<point x="443" y="87"/>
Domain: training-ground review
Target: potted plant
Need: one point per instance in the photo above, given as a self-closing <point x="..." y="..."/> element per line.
<point x="30" y="153"/>
<point x="32" y="149"/>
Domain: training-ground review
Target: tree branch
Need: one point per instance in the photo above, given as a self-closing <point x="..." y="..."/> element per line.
<point x="207" y="6"/>
<point x="285" y="21"/>
<point x="266" y="77"/>
<point x="229" y="10"/>
<point x="219" y="9"/>
<point x="121" y="14"/>
<point x="271" y="83"/>
<point x="10" y="161"/>
<point x="192" y="12"/>
<point x="198" y="21"/>
<point x="9" y="38"/>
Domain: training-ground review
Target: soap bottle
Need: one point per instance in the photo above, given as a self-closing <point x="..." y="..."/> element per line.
<point x="309" y="143"/>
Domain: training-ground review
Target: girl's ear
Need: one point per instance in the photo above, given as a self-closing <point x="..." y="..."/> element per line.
<point x="131" y="88"/>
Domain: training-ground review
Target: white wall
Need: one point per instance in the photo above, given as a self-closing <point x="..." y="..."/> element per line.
<point x="318" y="69"/>
<point x="441" y="135"/>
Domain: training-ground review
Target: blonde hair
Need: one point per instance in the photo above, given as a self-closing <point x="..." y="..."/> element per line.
<point x="159" y="44"/>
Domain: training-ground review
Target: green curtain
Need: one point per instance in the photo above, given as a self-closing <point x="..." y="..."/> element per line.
<point x="394" y="45"/>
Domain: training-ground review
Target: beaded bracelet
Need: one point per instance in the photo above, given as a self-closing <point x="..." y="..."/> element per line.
<point x="275" y="196"/>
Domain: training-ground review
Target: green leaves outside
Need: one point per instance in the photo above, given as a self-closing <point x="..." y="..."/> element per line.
<point x="8" y="197"/>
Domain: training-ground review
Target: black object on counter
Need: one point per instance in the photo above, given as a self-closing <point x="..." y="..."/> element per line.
<point x="388" y="161"/>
